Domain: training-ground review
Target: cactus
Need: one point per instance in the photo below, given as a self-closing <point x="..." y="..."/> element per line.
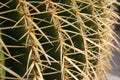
<point x="56" y="39"/>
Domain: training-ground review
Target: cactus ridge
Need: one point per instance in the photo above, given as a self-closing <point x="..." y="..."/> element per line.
<point x="56" y="39"/>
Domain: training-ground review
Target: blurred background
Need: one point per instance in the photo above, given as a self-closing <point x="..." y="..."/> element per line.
<point x="114" y="74"/>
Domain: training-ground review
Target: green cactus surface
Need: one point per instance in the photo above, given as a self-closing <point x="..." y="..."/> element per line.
<point x="56" y="39"/>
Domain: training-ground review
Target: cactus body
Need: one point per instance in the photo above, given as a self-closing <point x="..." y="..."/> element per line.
<point x="56" y="39"/>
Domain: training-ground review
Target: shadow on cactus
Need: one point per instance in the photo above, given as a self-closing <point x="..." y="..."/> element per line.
<point x="56" y="39"/>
